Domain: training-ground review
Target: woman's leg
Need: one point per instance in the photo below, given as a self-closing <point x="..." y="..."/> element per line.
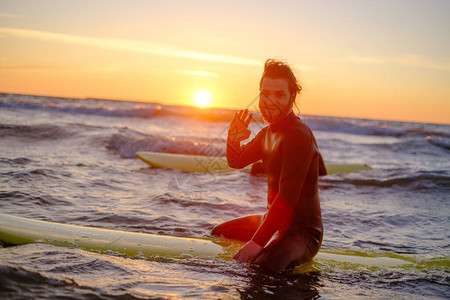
<point x="289" y="249"/>
<point x="241" y="229"/>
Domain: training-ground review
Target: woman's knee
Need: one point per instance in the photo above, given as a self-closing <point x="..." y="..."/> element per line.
<point x="216" y="231"/>
<point x="241" y="229"/>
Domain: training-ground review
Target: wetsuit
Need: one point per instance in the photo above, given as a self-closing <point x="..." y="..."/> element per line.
<point x="293" y="222"/>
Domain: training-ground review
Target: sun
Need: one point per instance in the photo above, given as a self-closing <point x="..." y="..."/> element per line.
<point x="202" y="98"/>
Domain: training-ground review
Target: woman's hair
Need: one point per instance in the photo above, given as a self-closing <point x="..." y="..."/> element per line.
<point x="276" y="69"/>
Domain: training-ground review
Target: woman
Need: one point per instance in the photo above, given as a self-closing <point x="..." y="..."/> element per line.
<point x="291" y="231"/>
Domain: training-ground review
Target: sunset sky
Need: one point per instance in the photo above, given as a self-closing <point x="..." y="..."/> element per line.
<point x="366" y="59"/>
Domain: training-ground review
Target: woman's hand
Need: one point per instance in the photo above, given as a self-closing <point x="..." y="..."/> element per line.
<point x="238" y="130"/>
<point x="248" y="252"/>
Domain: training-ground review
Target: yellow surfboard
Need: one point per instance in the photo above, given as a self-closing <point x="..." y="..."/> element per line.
<point x="17" y="230"/>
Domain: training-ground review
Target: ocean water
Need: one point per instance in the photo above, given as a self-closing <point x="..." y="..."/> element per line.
<point x="73" y="161"/>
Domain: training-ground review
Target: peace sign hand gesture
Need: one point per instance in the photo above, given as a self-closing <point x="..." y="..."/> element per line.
<point x="238" y="130"/>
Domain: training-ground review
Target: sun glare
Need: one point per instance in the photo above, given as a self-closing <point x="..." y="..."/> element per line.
<point x="202" y="99"/>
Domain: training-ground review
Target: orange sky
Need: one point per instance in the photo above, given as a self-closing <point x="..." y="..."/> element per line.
<point x="367" y="59"/>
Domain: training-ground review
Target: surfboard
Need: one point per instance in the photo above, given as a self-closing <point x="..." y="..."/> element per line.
<point x="198" y="163"/>
<point x="18" y="230"/>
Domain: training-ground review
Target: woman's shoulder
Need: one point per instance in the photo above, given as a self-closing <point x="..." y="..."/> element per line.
<point x="262" y="132"/>
<point x="298" y="129"/>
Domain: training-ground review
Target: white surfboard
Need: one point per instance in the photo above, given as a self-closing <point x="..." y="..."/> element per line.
<point x="198" y="163"/>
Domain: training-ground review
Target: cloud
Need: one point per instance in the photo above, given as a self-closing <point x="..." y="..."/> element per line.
<point x="37" y="68"/>
<point x="128" y="46"/>
<point x="306" y="68"/>
<point x="410" y="60"/>
<point x="198" y="73"/>
<point x="366" y="59"/>
<point x="8" y="15"/>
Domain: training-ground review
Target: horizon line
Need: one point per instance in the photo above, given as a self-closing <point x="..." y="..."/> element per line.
<point x="217" y="107"/>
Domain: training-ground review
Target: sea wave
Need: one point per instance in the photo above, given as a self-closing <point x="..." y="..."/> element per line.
<point x="100" y="110"/>
<point x="14" y="161"/>
<point x="422" y="180"/>
<point x="18" y="282"/>
<point x="35" y="132"/>
<point x="439" y="142"/>
<point x="353" y="126"/>
<point x="39" y="199"/>
<point x="127" y="144"/>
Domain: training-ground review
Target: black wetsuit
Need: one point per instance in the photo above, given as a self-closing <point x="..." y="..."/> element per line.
<point x="291" y="160"/>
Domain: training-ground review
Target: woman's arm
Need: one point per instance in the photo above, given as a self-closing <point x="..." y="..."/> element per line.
<point x="239" y="157"/>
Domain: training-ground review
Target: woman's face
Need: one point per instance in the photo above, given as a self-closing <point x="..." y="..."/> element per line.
<point x="274" y="99"/>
